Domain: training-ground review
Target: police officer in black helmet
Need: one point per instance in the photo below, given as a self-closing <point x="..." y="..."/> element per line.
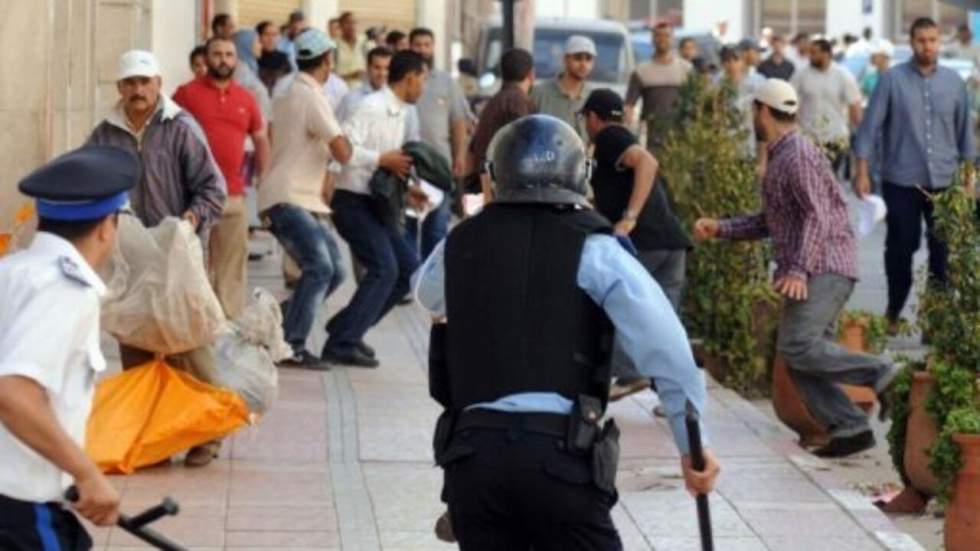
<point x="532" y="289"/>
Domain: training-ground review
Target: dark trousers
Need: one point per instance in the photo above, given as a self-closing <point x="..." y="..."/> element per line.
<point x="518" y="491"/>
<point x="434" y="229"/>
<point x="27" y="526"/>
<point x="388" y="262"/>
<point x="907" y="206"/>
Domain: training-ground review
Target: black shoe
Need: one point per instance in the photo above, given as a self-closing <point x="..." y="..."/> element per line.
<point x="843" y="446"/>
<point x="304" y="360"/>
<point x="354" y="358"/>
<point x="366" y="349"/>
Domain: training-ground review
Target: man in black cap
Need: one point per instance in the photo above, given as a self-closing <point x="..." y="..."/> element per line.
<point x="50" y="353"/>
<point x="624" y="184"/>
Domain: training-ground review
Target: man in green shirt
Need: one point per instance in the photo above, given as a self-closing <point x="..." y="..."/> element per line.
<point x="563" y="96"/>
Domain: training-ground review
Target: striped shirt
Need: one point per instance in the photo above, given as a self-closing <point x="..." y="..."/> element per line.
<point x="804" y="213"/>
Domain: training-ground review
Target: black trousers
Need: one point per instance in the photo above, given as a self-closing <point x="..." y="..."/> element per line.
<point x="514" y="491"/>
<point x="907" y="206"/>
<point x="27" y="526"/>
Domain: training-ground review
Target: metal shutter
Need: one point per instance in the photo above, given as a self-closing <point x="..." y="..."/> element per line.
<point x="251" y="12"/>
<point x="395" y="14"/>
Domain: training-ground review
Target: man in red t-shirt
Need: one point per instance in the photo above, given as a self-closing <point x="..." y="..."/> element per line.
<point x="228" y="114"/>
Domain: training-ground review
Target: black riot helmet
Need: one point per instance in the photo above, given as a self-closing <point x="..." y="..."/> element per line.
<point x="539" y="159"/>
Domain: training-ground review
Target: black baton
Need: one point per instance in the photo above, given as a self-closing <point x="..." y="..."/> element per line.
<point x="137" y="525"/>
<point x="691" y="419"/>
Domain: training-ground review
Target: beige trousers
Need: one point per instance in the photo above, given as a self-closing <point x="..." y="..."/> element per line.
<point x="229" y="256"/>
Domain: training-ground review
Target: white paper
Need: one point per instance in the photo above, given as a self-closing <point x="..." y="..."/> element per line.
<point x="871" y="210"/>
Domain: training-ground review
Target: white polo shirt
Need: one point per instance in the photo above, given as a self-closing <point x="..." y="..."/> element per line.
<point x="49" y="332"/>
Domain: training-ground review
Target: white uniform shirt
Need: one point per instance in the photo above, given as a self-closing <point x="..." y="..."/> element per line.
<point x="49" y="332"/>
<point x="379" y="123"/>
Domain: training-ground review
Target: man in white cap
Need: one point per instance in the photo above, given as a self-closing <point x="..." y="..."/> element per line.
<point x="806" y="217"/>
<point x="179" y="175"/>
<point x="564" y="96"/>
<point x="881" y="59"/>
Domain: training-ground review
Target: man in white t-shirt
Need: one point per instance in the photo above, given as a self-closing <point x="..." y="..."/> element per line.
<point x="830" y="102"/>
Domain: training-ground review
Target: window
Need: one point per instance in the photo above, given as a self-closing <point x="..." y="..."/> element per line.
<point x="549" y="45"/>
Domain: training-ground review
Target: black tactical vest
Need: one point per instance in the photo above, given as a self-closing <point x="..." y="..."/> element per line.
<point x="518" y="321"/>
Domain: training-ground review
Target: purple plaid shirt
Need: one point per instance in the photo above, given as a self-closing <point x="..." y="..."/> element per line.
<point x="803" y="212"/>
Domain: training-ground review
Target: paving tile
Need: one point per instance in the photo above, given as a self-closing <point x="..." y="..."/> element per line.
<point x="802" y="522"/>
<point x="820" y="543"/>
<point x="189" y="530"/>
<point x="694" y="544"/>
<point x="413" y="540"/>
<point x="287" y="540"/>
<point x="282" y="519"/>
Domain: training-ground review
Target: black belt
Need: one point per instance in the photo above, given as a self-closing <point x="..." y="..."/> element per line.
<point x="549" y="424"/>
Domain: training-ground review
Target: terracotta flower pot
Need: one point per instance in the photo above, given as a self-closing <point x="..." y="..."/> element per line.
<point x="789" y="406"/>
<point x="853" y="336"/>
<point x="962" y="530"/>
<point x="920" y="435"/>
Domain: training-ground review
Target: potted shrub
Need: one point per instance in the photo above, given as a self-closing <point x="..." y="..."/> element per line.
<point x="729" y="304"/>
<point x="862" y="331"/>
<point x="950" y="314"/>
<point x="963" y="513"/>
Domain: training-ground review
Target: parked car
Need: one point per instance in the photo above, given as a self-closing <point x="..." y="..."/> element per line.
<point x="613" y="65"/>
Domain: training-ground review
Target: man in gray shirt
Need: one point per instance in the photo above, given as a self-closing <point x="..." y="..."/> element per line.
<point x="921" y="111"/>
<point x="443" y="119"/>
<point x="564" y="95"/>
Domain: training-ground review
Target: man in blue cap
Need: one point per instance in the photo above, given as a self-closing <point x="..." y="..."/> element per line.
<point x="50" y="353"/>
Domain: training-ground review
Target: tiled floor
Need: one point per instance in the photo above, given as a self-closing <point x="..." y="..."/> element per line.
<point x="343" y="461"/>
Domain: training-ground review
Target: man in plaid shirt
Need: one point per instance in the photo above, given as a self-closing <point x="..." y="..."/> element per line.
<point x="805" y="215"/>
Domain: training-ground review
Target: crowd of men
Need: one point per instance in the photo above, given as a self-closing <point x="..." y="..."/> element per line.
<point x="346" y="106"/>
<point x="359" y="135"/>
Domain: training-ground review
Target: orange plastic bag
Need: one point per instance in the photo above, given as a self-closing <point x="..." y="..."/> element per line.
<point x="146" y="414"/>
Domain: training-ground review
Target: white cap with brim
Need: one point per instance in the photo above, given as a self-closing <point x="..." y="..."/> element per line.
<point x="882" y="47"/>
<point x="312" y="43"/>
<point x="138" y="63"/>
<point x="779" y="95"/>
<point x="578" y="44"/>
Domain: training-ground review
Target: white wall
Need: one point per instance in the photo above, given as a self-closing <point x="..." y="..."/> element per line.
<point x="706" y="14"/>
<point x="844" y="16"/>
<point x="432" y="14"/>
<point x="318" y="12"/>
<point x="173" y="39"/>
<point x="568" y="8"/>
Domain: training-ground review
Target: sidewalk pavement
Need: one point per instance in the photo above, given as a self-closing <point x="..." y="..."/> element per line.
<point x="343" y="461"/>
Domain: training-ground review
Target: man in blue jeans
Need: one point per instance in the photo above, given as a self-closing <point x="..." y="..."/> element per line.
<point x="378" y="123"/>
<point x="307" y="138"/>
<point x="922" y="113"/>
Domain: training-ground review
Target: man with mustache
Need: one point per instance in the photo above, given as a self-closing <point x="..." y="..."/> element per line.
<point x="228" y="114"/>
<point x="178" y="175"/>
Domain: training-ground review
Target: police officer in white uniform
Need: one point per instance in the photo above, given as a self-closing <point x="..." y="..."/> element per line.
<point x="49" y="350"/>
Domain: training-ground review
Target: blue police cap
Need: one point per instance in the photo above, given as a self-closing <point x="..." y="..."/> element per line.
<point x="88" y="183"/>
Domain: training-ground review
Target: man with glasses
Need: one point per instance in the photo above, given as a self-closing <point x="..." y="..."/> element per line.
<point x="563" y="96"/>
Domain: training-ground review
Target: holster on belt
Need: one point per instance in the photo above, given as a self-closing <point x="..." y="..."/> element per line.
<point x="588" y="435"/>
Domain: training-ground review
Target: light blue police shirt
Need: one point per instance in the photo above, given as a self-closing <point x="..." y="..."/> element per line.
<point x="646" y="326"/>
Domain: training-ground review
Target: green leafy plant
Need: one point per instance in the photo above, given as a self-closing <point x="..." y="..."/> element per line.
<point x="875" y="328"/>
<point x="707" y="173"/>
<point x="950" y="315"/>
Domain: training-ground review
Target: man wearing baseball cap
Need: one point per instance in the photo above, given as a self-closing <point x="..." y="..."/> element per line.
<point x="179" y="175"/>
<point x="563" y="96"/>
<point x="805" y="216"/>
<point x="625" y="185"/>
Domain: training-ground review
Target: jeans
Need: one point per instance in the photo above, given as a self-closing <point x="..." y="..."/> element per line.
<point x="307" y="238"/>
<point x="668" y="269"/>
<point x="817" y="363"/>
<point x="434" y="229"/>
<point x="388" y="262"/>
<point x="907" y="206"/>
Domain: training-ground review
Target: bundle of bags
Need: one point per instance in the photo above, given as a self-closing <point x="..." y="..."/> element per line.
<point x="159" y="299"/>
